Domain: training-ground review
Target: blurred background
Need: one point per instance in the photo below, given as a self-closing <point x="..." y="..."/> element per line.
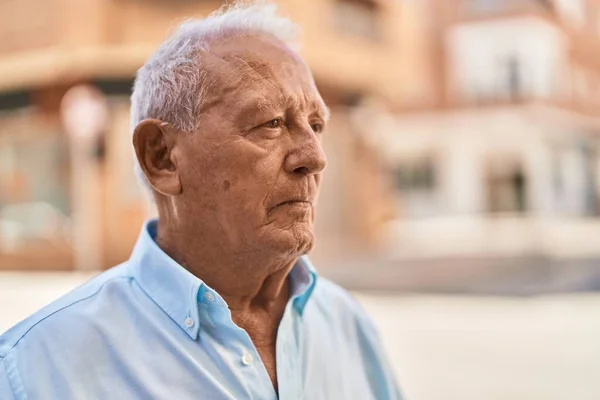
<point x="461" y="203"/>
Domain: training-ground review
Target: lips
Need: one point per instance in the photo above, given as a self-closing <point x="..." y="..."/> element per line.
<point x="293" y="202"/>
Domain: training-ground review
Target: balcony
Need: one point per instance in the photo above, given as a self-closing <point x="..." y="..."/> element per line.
<point x="475" y="9"/>
<point x="45" y="42"/>
<point x="495" y="6"/>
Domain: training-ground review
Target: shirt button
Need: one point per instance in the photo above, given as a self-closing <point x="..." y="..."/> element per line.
<point x="189" y="322"/>
<point x="209" y="297"/>
<point x="247" y="358"/>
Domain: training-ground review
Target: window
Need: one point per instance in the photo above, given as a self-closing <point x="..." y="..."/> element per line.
<point x="504" y="80"/>
<point x="34" y="188"/>
<point x="589" y="155"/>
<point x="358" y="17"/>
<point x="416" y="184"/>
<point x="513" y="77"/>
<point x="506" y="185"/>
<point x="416" y="176"/>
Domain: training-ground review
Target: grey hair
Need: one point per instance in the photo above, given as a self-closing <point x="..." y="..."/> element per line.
<point x="171" y="86"/>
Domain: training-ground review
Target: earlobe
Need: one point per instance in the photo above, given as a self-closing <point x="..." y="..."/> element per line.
<point x="154" y="147"/>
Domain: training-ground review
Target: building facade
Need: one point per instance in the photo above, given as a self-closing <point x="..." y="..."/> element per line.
<point x="505" y="159"/>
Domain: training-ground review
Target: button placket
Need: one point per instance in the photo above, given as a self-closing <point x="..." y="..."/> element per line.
<point x="247" y="358"/>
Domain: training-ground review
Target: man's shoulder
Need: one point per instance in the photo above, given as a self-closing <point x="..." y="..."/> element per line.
<point x="76" y="302"/>
<point x="339" y="311"/>
<point x="328" y="290"/>
<point x="331" y="298"/>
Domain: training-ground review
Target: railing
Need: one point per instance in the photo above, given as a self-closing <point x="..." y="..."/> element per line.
<point x="494" y="235"/>
<point x="490" y="7"/>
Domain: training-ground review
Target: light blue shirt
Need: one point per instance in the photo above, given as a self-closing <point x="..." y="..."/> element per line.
<point x="149" y="329"/>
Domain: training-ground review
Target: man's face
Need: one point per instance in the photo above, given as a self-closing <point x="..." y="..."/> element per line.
<point x="250" y="174"/>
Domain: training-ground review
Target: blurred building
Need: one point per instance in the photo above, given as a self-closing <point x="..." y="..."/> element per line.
<point x="504" y="159"/>
<point x="363" y="53"/>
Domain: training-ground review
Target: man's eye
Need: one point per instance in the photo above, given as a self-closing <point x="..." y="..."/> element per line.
<point x="274" y="123"/>
<point x="317" y="128"/>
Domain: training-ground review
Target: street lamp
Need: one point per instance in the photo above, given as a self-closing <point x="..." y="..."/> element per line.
<point x="84" y="112"/>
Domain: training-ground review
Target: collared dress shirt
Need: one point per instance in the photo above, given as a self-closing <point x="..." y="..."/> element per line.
<point x="149" y="329"/>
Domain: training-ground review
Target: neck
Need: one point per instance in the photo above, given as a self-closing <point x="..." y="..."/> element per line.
<point x="247" y="281"/>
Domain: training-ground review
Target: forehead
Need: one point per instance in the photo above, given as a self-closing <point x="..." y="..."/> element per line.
<point x="259" y="47"/>
<point x="259" y="66"/>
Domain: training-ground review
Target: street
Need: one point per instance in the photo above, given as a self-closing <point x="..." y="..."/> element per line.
<point x="442" y="347"/>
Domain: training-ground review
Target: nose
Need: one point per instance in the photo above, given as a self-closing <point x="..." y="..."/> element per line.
<point x="307" y="157"/>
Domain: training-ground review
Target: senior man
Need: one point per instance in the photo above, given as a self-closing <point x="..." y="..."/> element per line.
<point x="217" y="300"/>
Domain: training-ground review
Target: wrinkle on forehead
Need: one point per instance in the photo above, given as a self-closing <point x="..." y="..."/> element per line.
<point x="237" y="69"/>
<point x="257" y="67"/>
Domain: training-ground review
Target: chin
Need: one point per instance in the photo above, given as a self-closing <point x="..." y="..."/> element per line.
<point x="293" y="242"/>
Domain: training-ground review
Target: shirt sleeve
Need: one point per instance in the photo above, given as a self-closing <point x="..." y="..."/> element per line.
<point x="379" y="371"/>
<point x="6" y="392"/>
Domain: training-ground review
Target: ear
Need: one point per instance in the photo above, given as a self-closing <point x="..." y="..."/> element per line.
<point x="154" y="143"/>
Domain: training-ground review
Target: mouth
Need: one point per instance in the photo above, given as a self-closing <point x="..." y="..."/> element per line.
<point x="300" y="203"/>
<point x="295" y="202"/>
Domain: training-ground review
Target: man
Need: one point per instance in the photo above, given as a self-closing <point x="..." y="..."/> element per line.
<point x="217" y="300"/>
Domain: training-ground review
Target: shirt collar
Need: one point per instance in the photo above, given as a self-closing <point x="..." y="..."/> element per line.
<point x="303" y="279"/>
<point x="176" y="290"/>
<point x="169" y="285"/>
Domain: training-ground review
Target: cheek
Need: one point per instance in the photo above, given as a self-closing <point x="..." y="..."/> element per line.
<point x="248" y="161"/>
<point x="251" y="181"/>
<point x="203" y="173"/>
<point x="239" y="174"/>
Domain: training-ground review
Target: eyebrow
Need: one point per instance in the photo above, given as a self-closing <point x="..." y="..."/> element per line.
<point x="262" y="103"/>
<point x="317" y="106"/>
<point x="324" y="111"/>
